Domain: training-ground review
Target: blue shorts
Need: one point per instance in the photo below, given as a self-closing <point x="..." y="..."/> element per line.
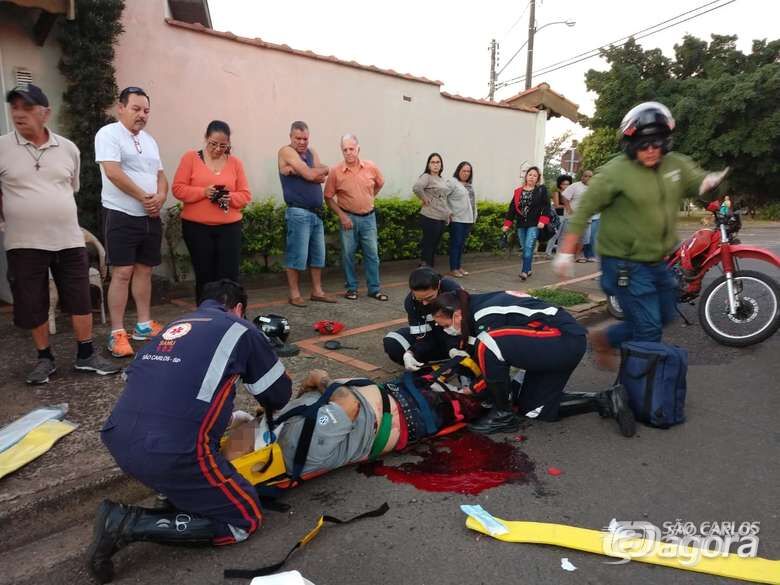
<point x="305" y="239"/>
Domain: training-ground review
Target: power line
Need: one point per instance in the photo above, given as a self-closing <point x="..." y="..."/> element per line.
<point x="516" y="22"/>
<point x="636" y="36"/>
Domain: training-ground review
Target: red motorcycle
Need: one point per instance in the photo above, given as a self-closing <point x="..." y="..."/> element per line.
<point x="739" y="308"/>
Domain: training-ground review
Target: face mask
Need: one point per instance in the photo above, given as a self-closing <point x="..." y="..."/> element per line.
<point x="451" y="330"/>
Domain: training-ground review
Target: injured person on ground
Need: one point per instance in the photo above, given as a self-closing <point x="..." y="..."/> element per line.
<point x="354" y="420"/>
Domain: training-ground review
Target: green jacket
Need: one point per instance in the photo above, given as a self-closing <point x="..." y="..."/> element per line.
<point x="638" y="206"/>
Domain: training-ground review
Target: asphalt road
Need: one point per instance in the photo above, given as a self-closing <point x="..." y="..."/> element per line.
<point x="720" y="466"/>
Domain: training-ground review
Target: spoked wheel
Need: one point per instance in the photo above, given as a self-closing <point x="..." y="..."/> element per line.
<point x="757" y="316"/>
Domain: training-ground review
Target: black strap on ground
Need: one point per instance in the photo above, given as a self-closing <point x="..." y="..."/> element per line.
<point x="271" y="569"/>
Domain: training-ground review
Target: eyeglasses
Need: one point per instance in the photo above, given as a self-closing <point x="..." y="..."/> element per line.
<point x="427" y="297"/>
<point x="137" y="144"/>
<point x="218" y="145"/>
<point x="646" y="144"/>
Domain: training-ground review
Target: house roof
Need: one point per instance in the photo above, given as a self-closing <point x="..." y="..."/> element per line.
<point x="543" y="97"/>
<point x="257" y="42"/>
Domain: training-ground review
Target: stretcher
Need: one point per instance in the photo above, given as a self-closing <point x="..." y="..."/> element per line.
<point x="265" y="466"/>
<point x="654" y="552"/>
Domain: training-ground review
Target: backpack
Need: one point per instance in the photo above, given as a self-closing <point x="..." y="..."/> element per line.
<point x="654" y="375"/>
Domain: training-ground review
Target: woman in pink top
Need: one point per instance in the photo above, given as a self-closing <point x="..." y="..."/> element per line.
<point x="213" y="187"/>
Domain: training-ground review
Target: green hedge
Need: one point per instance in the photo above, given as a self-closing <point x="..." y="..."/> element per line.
<point x="398" y="224"/>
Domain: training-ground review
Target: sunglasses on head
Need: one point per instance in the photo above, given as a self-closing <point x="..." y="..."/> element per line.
<point x="655" y="143"/>
<point x="132" y="90"/>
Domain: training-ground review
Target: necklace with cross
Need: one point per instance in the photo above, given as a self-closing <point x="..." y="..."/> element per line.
<point x="38" y="158"/>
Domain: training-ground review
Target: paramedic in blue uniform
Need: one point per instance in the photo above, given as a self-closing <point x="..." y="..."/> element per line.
<point x="508" y="329"/>
<point x="423" y="340"/>
<point x="165" y="429"/>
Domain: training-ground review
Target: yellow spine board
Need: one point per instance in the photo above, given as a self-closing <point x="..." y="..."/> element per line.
<point x="33" y="445"/>
<point x="262" y="465"/>
<point x="753" y="569"/>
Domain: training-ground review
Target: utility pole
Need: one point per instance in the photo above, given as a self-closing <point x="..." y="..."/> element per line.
<point x="529" y="65"/>
<point x="493" y="64"/>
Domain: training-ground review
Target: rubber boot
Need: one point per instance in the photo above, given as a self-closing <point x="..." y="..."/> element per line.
<point x="614" y="403"/>
<point x="500" y="418"/>
<point x="117" y="525"/>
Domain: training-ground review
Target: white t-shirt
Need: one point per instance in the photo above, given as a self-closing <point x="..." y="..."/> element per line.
<point x="115" y="143"/>
<point x="573" y="195"/>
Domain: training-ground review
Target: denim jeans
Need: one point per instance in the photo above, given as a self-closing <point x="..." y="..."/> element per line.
<point x="648" y="302"/>
<point x="458" y="234"/>
<point x="305" y="244"/>
<point x="527" y="239"/>
<point x="589" y="249"/>
<point x="363" y="235"/>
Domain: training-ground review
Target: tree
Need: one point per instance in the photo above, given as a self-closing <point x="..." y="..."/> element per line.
<point x="88" y="66"/>
<point x="553" y="151"/>
<point x="598" y="147"/>
<point x="726" y="105"/>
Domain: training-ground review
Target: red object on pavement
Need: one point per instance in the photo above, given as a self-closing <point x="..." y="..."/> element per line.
<point x="329" y="327"/>
<point x="554" y="471"/>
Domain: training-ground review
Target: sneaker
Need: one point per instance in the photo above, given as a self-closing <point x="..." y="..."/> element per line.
<point x="41" y="372"/>
<point x="119" y="344"/>
<point x="147" y="331"/>
<point x="96" y="363"/>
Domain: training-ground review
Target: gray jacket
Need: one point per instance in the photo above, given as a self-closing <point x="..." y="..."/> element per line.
<point x="461" y="201"/>
<point x="437" y="190"/>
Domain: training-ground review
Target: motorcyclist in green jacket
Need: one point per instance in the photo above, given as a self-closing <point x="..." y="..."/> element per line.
<point x="638" y="194"/>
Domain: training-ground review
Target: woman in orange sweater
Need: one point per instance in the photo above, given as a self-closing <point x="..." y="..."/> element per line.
<point x="213" y="187"/>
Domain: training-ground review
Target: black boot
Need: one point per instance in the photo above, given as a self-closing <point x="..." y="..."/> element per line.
<point x="614" y="402"/>
<point x="500" y="419"/>
<point x="117" y="525"/>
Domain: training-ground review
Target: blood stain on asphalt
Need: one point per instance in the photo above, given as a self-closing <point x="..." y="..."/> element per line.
<point x="464" y="463"/>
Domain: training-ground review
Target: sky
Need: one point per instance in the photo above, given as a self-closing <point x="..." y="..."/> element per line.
<point x="449" y="40"/>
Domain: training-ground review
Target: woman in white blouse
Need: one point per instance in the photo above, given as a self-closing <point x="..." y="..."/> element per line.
<point x="462" y="201"/>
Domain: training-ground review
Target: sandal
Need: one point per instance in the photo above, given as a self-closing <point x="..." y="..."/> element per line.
<point x="380" y="296"/>
<point x="351" y="295"/>
<point x="581" y="260"/>
<point x="297" y="301"/>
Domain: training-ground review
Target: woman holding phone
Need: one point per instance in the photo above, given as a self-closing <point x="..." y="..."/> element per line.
<point x="213" y="187"/>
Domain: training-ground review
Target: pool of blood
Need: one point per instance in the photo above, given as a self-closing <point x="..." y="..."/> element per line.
<point x="464" y="463"/>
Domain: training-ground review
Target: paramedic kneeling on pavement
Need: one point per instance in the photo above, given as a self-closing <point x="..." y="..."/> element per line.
<point x="423" y="340"/>
<point x="165" y="429"/>
<point x="639" y="194"/>
<point x="512" y="329"/>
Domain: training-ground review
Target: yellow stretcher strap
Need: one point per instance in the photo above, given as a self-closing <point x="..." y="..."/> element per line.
<point x="33" y="445"/>
<point x="308" y="537"/>
<point x="733" y="566"/>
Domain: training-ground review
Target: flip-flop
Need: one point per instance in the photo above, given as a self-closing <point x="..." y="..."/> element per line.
<point x="380" y="296"/>
<point x="581" y="260"/>
<point x="297" y="302"/>
<point x="351" y="295"/>
<point x="322" y="299"/>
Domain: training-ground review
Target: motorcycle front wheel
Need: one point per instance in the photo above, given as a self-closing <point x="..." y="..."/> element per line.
<point x="757" y="316"/>
<point x="614" y="308"/>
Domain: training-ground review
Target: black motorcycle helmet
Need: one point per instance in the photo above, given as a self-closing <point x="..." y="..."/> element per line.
<point x="275" y="327"/>
<point x="649" y="121"/>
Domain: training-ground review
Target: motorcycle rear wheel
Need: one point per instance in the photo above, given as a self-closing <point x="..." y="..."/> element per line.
<point x="758" y="314"/>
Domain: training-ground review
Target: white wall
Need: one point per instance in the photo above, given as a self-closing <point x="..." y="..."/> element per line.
<point x="18" y="50"/>
<point x="193" y="78"/>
